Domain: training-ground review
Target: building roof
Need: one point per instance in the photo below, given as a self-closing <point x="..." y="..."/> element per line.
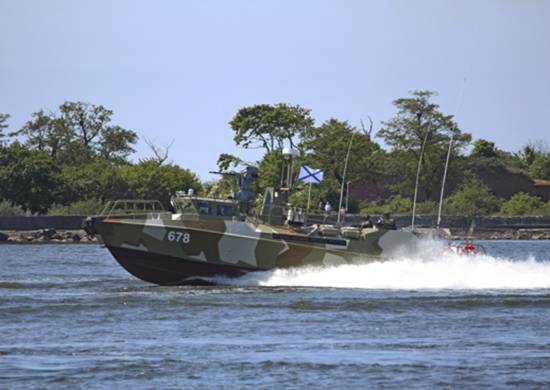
<point x="541" y="183"/>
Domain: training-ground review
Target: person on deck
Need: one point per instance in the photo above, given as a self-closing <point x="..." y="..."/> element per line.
<point x="328" y="209"/>
<point x="342" y="213"/>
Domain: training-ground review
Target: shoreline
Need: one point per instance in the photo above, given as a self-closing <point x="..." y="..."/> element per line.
<point x="79" y="236"/>
<point x="47" y="236"/>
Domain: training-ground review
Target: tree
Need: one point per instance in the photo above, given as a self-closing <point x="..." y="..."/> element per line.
<point x="540" y="167"/>
<point x="45" y="132"/>
<point x="29" y="177"/>
<point x="3" y="125"/>
<point x="149" y="180"/>
<point x="114" y="145"/>
<point x="226" y="161"/>
<point x="419" y="121"/>
<point x="472" y="199"/>
<point x="270" y="169"/>
<point x="269" y="126"/>
<point x="96" y="180"/>
<point x="160" y="152"/>
<point x="9" y="209"/>
<point x="483" y="149"/>
<point x="528" y="154"/>
<point x="325" y="147"/>
<point x="79" y="133"/>
<point x="520" y="204"/>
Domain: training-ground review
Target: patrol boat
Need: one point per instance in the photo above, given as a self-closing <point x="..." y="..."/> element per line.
<point x="205" y="237"/>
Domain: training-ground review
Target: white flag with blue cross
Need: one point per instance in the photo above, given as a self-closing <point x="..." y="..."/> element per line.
<point x="310" y="175"/>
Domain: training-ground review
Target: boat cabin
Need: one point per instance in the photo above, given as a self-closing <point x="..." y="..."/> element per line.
<point x="204" y="208"/>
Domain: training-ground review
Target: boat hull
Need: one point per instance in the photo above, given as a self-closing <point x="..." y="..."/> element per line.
<point x="168" y="270"/>
<point x="169" y="252"/>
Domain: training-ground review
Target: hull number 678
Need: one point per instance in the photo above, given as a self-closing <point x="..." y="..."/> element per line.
<point x="174" y="236"/>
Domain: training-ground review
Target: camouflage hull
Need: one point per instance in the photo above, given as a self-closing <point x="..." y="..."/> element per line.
<point x="170" y="252"/>
<point x="169" y="270"/>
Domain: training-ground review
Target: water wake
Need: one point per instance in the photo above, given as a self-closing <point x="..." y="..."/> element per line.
<point x="430" y="268"/>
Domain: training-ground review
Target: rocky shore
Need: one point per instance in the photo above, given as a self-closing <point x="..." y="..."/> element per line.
<point x="502" y="234"/>
<point x="491" y="234"/>
<point x="44" y="236"/>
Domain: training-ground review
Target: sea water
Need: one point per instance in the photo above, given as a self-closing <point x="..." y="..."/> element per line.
<point x="70" y="317"/>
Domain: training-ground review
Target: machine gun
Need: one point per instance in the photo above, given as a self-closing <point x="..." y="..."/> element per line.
<point x="245" y="180"/>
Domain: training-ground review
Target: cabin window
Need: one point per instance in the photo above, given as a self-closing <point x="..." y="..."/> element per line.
<point x="185" y="207"/>
<point x="204" y="208"/>
<point x="223" y="210"/>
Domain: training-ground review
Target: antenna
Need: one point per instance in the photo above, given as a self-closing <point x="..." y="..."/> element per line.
<point x="344" y="179"/>
<point x="443" y="183"/>
<point x="458" y="104"/>
<point x="418" y="169"/>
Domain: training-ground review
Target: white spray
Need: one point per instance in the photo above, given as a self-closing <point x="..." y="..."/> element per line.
<point x="430" y="268"/>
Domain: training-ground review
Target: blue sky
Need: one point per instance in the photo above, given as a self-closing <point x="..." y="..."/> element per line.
<point x="179" y="70"/>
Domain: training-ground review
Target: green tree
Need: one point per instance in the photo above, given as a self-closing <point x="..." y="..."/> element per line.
<point x="226" y="161"/>
<point x="79" y="133"/>
<point x="472" y="199"/>
<point x="483" y="148"/>
<point x="29" y="177"/>
<point x="540" y="167"/>
<point x="398" y="205"/>
<point x="222" y="188"/>
<point x="98" y="180"/>
<point x="45" y="132"/>
<point x="269" y="126"/>
<point x="520" y="204"/>
<point x="3" y="125"/>
<point x="326" y="148"/>
<point x="528" y="154"/>
<point x="270" y="169"/>
<point x="9" y="209"/>
<point x="81" y="207"/>
<point x="149" y="180"/>
<point x="419" y="121"/>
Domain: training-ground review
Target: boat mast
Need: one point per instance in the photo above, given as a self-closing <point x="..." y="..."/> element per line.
<point x="444" y="180"/>
<point x="344" y="179"/>
<point x="418" y="170"/>
<point x="458" y="103"/>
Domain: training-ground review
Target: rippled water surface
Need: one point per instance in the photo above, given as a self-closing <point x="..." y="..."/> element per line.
<point x="71" y="317"/>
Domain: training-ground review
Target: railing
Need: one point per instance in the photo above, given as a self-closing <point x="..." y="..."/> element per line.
<point x="129" y="207"/>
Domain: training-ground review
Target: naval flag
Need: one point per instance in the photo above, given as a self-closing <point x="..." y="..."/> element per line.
<point x="310" y="175"/>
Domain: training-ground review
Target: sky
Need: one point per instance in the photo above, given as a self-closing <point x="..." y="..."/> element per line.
<point x="180" y="70"/>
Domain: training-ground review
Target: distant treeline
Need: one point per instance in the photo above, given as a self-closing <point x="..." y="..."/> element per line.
<point x="73" y="160"/>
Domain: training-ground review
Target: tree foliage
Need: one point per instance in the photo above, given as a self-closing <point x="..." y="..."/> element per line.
<point x="540" y="167"/>
<point x="81" y="207"/>
<point x="270" y="169"/>
<point x="419" y="121"/>
<point x="483" y="149"/>
<point x="29" y="177"/>
<point x="149" y="180"/>
<point x="96" y="180"/>
<point x="394" y="205"/>
<point x="226" y="161"/>
<point x="269" y="126"/>
<point x="520" y="204"/>
<point x="326" y="147"/>
<point x="10" y="209"/>
<point x="3" y="125"/>
<point x="472" y="199"/>
<point x="79" y="133"/>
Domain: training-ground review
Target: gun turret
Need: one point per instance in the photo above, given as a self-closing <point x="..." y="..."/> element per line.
<point x="245" y="180"/>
